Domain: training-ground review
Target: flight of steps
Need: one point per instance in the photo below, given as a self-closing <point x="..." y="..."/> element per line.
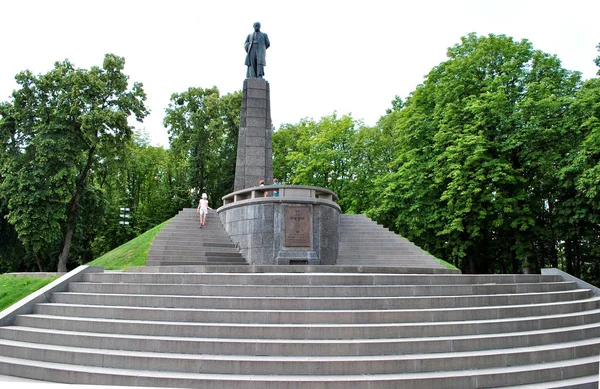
<point x="363" y="242"/>
<point x="182" y="242"/>
<point x="233" y="329"/>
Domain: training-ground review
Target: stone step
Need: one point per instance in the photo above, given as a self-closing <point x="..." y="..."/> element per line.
<point x="364" y="242"/>
<point x="198" y="233"/>
<point x="374" y="241"/>
<point x="290" y="365"/>
<point x="208" y="257"/>
<point x="79" y="333"/>
<point x="334" y="269"/>
<point x="420" y="263"/>
<point x="193" y="245"/>
<point x="372" y="258"/>
<point x="196" y="262"/>
<point x="463" y="379"/>
<point x="210" y="251"/>
<point x="316" y="316"/>
<point x="587" y="382"/>
<point x="383" y="253"/>
<point x="37" y="326"/>
<point x="316" y="278"/>
<point x="317" y="291"/>
<point x="195" y="257"/>
<point x="315" y="303"/>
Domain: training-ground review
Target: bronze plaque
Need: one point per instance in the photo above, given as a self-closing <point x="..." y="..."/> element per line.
<point x="297" y="227"/>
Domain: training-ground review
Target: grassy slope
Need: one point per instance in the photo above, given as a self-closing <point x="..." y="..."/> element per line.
<point x="447" y="264"/>
<point x="13" y="289"/>
<point x="132" y="253"/>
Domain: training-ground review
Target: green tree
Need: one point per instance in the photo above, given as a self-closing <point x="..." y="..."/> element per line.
<point x="146" y="179"/>
<point x="578" y="212"/>
<point x="337" y="153"/>
<point x="203" y="128"/>
<point x="65" y="123"/>
<point x="478" y="146"/>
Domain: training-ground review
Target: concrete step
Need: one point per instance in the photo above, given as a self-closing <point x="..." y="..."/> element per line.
<point x="196" y="262"/>
<point x="252" y="326"/>
<point x="317" y="291"/>
<point x="587" y="382"/>
<point x="195" y="259"/>
<point x="182" y="243"/>
<point x="223" y="315"/>
<point x="212" y="252"/>
<point x="374" y="259"/>
<point x="499" y="342"/>
<point x="316" y="303"/>
<point x="465" y="379"/>
<point x="283" y="365"/>
<point x="41" y="327"/>
<point x="194" y="245"/>
<point x="350" y="279"/>
<point x="294" y="269"/>
<point x="364" y="242"/>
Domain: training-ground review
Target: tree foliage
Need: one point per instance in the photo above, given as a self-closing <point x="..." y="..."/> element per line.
<point x="491" y="163"/>
<point x="203" y="128"/>
<point x="60" y="127"/>
<point x="338" y="153"/>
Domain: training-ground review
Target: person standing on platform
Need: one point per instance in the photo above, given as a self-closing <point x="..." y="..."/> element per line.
<point x="276" y="183"/>
<point x="203" y="209"/>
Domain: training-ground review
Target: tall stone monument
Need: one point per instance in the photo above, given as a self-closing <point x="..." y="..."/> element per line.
<point x="273" y="225"/>
<point x="255" y="150"/>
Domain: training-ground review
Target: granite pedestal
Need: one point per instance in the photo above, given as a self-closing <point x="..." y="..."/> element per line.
<point x="255" y="151"/>
<point x="298" y="227"/>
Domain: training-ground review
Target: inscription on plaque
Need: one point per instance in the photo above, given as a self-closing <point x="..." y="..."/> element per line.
<point x="297" y="227"/>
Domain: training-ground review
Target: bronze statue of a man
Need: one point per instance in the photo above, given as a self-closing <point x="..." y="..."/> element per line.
<point x="256" y="46"/>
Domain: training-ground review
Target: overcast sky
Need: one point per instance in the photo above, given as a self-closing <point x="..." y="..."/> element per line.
<point x="325" y="56"/>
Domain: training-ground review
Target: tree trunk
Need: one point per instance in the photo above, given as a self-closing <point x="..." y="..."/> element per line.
<point x="39" y="261"/>
<point x="64" y="255"/>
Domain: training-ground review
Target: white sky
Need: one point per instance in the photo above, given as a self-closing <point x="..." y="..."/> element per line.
<point x="325" y="56"/>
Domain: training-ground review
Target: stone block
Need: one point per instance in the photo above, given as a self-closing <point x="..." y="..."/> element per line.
<point x="267" y="237"/>
<point x="257" y="122"/>
<point x="255" y="166"/>
<point x="257" y="103"/>
<point x="253" y="151"/>
<point x="257" y="112"/>
<point x="260" y="94"/>
<point x="268" y="210"/>
<point x="256" y="141"/>
<point x="259" y="132"/>
<point x="256" y="83"/>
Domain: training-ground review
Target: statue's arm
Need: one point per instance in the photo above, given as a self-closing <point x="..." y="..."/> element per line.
<point x="247" y="43"/>
<point x="267" y="43"/>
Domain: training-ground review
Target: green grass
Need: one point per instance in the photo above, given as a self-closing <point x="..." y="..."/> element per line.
<point x="132" y="253"/>
<point x="447" y="264"/>
<point x="13" y="289"/>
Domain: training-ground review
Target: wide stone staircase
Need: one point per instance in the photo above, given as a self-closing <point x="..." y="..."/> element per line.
<point x="363" y="242"/>
<point x="182" y="242"/>
<point x="243" y="328"/>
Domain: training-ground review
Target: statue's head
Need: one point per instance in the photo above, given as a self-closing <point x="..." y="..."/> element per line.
<point x="257" y="26"/>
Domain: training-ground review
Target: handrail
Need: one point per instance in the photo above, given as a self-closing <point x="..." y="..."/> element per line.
<point x="295" y="191"/>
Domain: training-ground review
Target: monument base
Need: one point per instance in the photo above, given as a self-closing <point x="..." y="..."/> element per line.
<point x="297" y="257"/>
<point x="298" y="227"/>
